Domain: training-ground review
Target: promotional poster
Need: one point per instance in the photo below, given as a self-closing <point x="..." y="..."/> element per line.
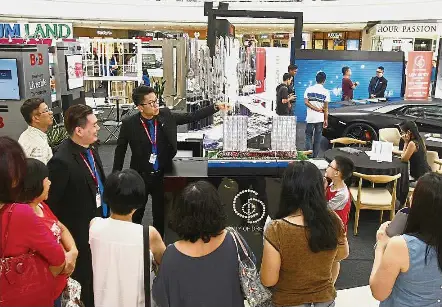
<point x="418" y="74"/>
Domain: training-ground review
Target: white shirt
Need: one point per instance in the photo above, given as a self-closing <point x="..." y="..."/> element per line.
<point x="35" y="144"/>
<point x="117" y="262"/>
<point x="317" y="95"/>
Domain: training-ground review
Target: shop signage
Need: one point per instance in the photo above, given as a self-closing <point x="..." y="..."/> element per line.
<point x="334" y="35"/>
<point x="281" y="36"/>
<point x="418" y="75"/>
<point x="407" y="29"/>
<point x="36" y="59"/>
<point x="36" y="30"/>
<point x="104" y="32"/>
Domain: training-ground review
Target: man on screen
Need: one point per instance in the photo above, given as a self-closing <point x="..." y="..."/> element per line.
<point x="347" y="85"/>
<point x="378" y="84"/>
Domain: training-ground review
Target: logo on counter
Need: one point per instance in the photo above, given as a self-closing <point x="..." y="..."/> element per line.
<point x="251" y="210"/>
<point x="419" y="61"/>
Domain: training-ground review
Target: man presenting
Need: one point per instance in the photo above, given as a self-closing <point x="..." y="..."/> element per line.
<point x="378" y="84"/>
<point x="283" y="98"/>
<point x="152" y="136"/>
<point x="34" y="140"/>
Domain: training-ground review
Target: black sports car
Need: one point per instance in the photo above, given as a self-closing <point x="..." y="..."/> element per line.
<point x="364" y="121"/>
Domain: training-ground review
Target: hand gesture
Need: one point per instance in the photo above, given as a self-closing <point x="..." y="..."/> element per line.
<point x="381" y="236"/>
<point x="222" y="106"/>
<point x="71" y="259"/>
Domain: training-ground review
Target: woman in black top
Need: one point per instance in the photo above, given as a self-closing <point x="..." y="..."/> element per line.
<point x="201" y="269"/>
<point x="414" y="151"/>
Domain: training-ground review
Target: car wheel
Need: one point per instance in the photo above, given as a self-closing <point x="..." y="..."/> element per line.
<point x="361" y="131"/>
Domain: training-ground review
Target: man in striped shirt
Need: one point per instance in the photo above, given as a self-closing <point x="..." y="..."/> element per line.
<point x="316" y="98"/>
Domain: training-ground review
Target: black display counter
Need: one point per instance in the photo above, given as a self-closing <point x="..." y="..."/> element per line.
<point x="231" y="178"/>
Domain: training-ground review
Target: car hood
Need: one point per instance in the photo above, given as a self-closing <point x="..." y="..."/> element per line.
<point x="354" y="110"/>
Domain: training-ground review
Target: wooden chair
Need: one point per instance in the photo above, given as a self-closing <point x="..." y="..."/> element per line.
<point x="432" y="157"/>
<point x="438" y="162"/>
<point x="391" y="135"/>
<point x="374" y="198"/>
<point x="347" y="141"/>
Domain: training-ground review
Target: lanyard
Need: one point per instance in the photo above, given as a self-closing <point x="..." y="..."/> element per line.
<point x="154" y="142"/>
<point x="94" y="175"/>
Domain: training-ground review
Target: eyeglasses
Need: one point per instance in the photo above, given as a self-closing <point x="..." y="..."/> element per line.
<point x="378" y="72"/>
<point x="333" y="167"/>
<point x="47" y="110"/>
<point x="150" y="103"/>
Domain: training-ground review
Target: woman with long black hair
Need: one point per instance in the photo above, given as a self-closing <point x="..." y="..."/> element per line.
<point x="304" y="243"/>
<point x="407" y="269"/>
<point x="414" y="150"/>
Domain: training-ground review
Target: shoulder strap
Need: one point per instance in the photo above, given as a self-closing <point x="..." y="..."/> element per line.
<point x="146" y="254"/>
<point x="4" y="239"/>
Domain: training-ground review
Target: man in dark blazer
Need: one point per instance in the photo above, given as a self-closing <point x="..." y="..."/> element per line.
<point x="152" y="136"/>
<point x="378" y="84"/>
<point x="77" y="177"/>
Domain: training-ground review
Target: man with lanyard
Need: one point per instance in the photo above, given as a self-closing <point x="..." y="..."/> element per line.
<point x="152" y="136"/>
<point x="75" y="197"/>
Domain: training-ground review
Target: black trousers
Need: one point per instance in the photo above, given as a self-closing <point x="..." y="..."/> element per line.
<point x="155" y="188"/>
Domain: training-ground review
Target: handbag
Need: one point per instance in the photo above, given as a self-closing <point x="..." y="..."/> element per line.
<point x="71" y="294"/>
<point x="255" y="293"/>
<point x="146" y="257"/>
<point x="25" y="280"/>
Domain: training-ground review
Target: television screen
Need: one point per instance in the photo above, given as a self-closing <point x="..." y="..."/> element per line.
<point x="9" y="89"/>
<point x="74" y="71"/>
<point x="362" y="71"/>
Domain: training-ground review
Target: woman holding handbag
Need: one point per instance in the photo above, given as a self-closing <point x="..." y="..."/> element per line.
<point x="201" y="269"/>
<point x="30" y="257"/>
<point x="36" y="189"/>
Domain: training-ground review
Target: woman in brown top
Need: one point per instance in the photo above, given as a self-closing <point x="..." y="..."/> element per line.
<point x="304" y="243"/>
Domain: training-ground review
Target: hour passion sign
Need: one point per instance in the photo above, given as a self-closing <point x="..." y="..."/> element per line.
<point x="36" y="30"/>
<point x="408" y="29"/>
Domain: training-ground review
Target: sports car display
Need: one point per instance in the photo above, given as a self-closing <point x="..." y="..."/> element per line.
<point x="364" y="121"/>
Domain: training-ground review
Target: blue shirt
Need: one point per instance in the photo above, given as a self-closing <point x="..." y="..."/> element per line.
<point x="151" y="125"/>
<point x="90" y="159"/>
<point x="421" y="285"/>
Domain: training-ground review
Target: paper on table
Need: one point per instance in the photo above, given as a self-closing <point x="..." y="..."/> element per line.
<point x="434" y="139"/>
<point x="381" y="151"/>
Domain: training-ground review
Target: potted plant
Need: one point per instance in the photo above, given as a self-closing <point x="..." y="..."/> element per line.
<point x="56" y="135"/>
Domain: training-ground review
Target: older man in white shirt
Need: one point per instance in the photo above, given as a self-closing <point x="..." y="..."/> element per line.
<point x="34" y="139"/>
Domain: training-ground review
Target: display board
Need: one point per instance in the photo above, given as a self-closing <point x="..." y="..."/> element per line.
<point x="152" y="58"/>
<point x="363" y="65"/>
<point x="74" y="69"/>
<point x="418" y="75"/>
<point x="9" y="88"/>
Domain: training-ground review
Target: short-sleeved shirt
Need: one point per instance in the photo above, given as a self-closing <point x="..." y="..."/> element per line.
<point x="207" y="281"/>
<point x="282" y="92"/>
<point x="339" y="200"/>
<point x="317" y="95"/>
<point x="51" y="221"/>
<point x="304" y="276"/>
<point x="347" y="90"/>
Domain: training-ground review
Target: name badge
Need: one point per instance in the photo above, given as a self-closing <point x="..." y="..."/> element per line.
<point x="98" y="200"/>
<point x="153" y="158"/>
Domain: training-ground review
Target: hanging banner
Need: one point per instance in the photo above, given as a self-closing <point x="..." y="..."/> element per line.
<point x="418" y="74"/>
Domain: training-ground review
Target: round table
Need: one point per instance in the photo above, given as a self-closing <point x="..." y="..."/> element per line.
<point x="364" y="165"/>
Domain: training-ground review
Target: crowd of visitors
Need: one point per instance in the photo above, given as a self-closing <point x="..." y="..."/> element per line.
<point x="67" y="222"/>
